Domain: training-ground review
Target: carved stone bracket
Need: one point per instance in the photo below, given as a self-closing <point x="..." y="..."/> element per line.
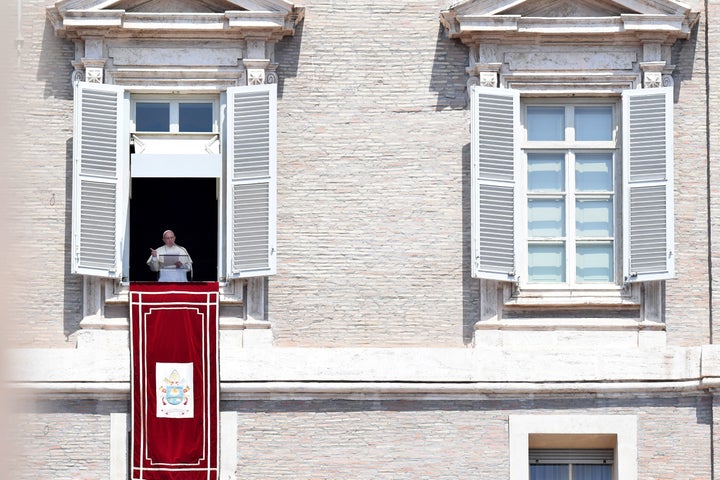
<point x="88" y="68"/>
<point x="94" y="75"/>
<point x="485" y="75"/>
<point x="271" y="75"/>
<point x="488" y="79"/>
<point x="78" y="74"/>
<point x="94" y="70"/>
<point x="256" y="76"/>
<point x="256" y="71"/>
<point x="652" y="79"/>
<point x="657" y="74"/>
<point x="472" y="81"/>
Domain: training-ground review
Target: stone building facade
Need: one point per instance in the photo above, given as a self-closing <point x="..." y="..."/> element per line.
<point x="406" y="321"/>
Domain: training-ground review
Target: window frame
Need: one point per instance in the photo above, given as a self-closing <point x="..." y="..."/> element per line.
<point x="569" y="147"/>
<point x="174" y="102"/>
<point x="101" y="159"/>
<point x="647" y="195"/>
<point x="588" y="427"/>
<point x="572" y="457"/>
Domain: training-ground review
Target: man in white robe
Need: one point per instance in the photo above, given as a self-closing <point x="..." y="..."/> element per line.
<point x="171" y="260"/>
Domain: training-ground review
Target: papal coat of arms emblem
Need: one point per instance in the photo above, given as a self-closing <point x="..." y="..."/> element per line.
<point x="174" y="390"/>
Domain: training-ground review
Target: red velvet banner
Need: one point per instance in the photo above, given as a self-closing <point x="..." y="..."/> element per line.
<point x="175" y="399"/>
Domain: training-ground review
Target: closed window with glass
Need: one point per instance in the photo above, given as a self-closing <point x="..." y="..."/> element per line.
<point x="571" y="464"/>
<point x="570" y="199"/>
<point x="175" y="116"/>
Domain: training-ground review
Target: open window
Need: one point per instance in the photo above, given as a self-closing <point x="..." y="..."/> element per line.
<point x="201" y="166"/>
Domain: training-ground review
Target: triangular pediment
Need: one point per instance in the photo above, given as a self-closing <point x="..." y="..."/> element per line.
<point x="79" y="18"/>
<point x="568" y="8"/>
<point x="174" y="6"/>
<point x="573" y="8"/>
<point x="470" y="19"/>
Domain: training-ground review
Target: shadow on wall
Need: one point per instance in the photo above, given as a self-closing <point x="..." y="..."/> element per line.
<point x="683" y="57"/>
<point x="448" y="78"/>
<point x="73" y="284"/>
<point x="471" y="286"/>
<point x="54" y="65"/>
<point x="287" y="53"/>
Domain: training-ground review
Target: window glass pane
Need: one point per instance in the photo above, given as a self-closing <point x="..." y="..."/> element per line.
<point x="593" y="172"/>
<point x="594" y="262"/>
<point x="594" y="218"/>
<point x="593" y="123"/>
<point x="549" y="472"/>
<point x="152" y="117"/>
<point x="546" y="263"/>
<point x="546" y="217"/>
<point x="546" y="172"/>
<point x="592" y="472"/>
<point x="546" y="123"/>
<point x="196" y="117"/>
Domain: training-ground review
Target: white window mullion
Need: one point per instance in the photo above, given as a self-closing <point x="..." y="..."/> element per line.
<point x="174" y="117"/>
<point x="570" y="237"/>
<point x="570" y="234"/>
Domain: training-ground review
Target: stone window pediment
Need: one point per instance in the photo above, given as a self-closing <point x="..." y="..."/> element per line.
<point x="572" y="7"/>
<point x="170" y="6"/>
<point x="586" y="47"/>
<point x="72" y="18"/>
<point x="551" y="17"/>
<point x="175" y="44"/>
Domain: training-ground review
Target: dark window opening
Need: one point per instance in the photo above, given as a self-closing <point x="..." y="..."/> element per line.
<point x="188" y="207"/>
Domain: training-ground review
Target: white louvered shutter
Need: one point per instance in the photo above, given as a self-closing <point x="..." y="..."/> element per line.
<point x="251" y="176"/>
<point x="100" y="166"/>
<point x="494" y="150"/>
<point x="648" y="237"/>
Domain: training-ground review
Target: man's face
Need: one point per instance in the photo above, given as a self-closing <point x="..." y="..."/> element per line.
<point x="169" y="239"/>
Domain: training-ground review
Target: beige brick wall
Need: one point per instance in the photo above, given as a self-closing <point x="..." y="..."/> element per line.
<point x="713" y="104"/>
<point x="392" y="439"/>
<point x="62" y="440"/>
<point x="373" y="224"/>
<point x="449" y="440"/>
<point x="687" y="300"/>
<point x="373" y="250"/>
<point x="45" y="305"/>
<point x="373" y="183"/>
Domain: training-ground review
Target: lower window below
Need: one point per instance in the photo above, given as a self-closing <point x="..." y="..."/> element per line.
<point x="571" y="464"/>
<point x="573" y="447"/>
